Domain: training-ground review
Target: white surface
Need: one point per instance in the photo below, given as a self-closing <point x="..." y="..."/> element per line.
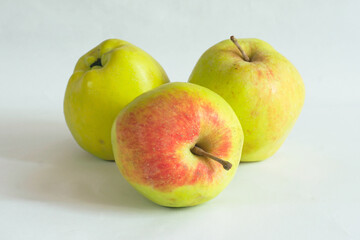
<point x="52" y="189"/>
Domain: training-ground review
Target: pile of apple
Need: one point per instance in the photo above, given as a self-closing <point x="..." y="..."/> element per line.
<point x="179" y="144"/>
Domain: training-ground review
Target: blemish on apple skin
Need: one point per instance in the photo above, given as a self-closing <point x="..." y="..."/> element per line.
<point x="101" y="141"/>
<point x="270" y="74"/>
<point x="254" y="113"/>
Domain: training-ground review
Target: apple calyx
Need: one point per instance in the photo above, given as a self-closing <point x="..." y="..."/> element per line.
<point x="200" y="152"/>
<point x="244" y="56"/>
<point x="96" y="63"/>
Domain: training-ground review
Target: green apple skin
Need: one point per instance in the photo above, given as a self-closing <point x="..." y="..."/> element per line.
<point x="153" y="135"/>
<point x="267" y="93"/>
<point x="96" y="94"/>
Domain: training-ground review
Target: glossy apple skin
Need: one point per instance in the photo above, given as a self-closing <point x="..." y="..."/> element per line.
<point x="267" y="93"/>
<point x="153" y="135"/>
<point x="95" y="95"/>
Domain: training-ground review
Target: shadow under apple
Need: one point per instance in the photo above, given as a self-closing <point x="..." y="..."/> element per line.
<point x="45" y="164"/>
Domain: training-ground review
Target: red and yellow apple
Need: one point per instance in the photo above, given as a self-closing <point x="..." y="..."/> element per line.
<point x="160" y="140"/>
<point x="262" y="86"/>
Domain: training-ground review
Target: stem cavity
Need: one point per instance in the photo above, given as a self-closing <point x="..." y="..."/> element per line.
<point x="96" y="63"/>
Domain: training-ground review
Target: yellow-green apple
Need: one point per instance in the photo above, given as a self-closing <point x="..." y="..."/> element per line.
<point x="263" y="87"/>
<point x="106" y="79"/>
<point x="179" y="145"/>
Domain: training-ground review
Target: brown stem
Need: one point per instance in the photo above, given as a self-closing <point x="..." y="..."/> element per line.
<point x="200" y="152"/>
<point x="245" y="57"/>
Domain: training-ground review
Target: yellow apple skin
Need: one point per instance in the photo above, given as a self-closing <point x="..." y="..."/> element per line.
<point x="95" y="95"/>
<point x="267" y="93"/>
<point x="153" y="135"/>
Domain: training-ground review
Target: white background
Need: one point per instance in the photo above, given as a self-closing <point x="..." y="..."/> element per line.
<point x="51" y="189"/>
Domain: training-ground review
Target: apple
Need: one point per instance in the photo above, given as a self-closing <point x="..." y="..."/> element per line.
<point x="104" y="81"/>
<point x="263" y="87"/>
<point x="179" y="145"/>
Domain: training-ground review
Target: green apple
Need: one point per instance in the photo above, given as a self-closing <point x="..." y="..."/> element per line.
<point x="263" y="87"/>
<point x="104" y="81"/>
<point x="176" y="144"/>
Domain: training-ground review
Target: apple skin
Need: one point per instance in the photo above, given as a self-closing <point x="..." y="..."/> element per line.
<point x="153" y="135"/>
<point x="95" y="95"/>
<point x="267" y="93"/>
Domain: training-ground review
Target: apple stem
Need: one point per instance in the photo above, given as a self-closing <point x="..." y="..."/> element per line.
<point x="200" y="152"/>
<point x="245" y="57"/>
